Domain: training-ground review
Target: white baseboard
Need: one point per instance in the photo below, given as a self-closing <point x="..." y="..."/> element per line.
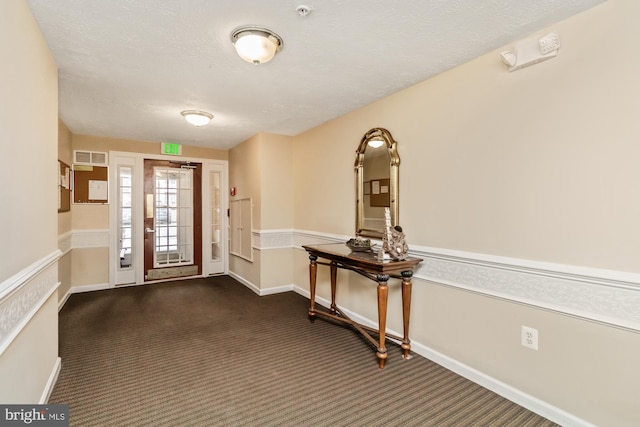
<point x="277" y="290"/>
<point x="245" y="282"/>
<point x="262" y="292"/>
<point x="51" y="382"/>
<point x="81" y="289"/>
<point x="63" y="300"/>
<point x="525" y="400"/>
<point x="89" y="288"/>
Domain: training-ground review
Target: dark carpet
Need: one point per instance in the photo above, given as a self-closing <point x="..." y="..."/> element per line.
<point x="209" y="352"/>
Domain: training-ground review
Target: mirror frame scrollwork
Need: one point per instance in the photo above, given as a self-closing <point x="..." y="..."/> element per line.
<point x="384" y="135"/>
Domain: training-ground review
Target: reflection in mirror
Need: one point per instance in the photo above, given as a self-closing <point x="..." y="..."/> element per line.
<point x="376" y="168"/>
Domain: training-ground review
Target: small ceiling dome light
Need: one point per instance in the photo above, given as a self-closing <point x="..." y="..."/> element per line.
<point x="197" y="118"/>
<point x="256" y="44"/>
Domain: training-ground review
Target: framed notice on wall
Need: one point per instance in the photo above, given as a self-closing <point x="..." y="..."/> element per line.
<point x="90" y="184"/>
<point x="64" y="187"/>
<point x="380" y="193"/>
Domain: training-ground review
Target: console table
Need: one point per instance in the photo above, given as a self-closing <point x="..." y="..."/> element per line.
<point x="366" y="264"/>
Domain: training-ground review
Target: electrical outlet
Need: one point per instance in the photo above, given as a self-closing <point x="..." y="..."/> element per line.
<point x="529" y="337"/>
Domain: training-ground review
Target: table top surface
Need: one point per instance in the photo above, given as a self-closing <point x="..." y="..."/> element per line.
<point x="368" y="260"/>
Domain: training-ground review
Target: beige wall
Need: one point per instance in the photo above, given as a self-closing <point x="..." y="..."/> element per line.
<point x="90" y="265"/>
<point x="585" y="368"/>
<point x="538" y="165"/>
<point x="65" y="154"/>
<point x="277" y="267"/>
<point x="65" y="151"/>
<point x="97" y="216"/>
<point x="28" y="83"/>
<point x="323" y="175"/>
<point x="260" y="168"/>
<point x="275" y="182"/>
<point x="100" y="143"/>
<point x="500" y="163"/>
<point x="244" y="173"/>
<point x="27" y="364"/>
<point x="90" y="216"/>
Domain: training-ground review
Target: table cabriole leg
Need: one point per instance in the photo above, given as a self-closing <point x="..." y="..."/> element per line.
<point x="406" y="312"/>
<point x="383" y="294"/>
<point x="313" y="269"/>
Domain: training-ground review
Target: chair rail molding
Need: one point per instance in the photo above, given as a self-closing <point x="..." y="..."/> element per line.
<point x="90" y="238"/>
<point x="272" y="239"/>
<point x="64" y="242"/>
<point x="605" y="296"/>
<point x="22" y="295"/>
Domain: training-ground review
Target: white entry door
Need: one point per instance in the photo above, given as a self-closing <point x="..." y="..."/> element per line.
<point x="128" y="214"/>
<point x="122" y="215"/>
<point x="215" y="202"/>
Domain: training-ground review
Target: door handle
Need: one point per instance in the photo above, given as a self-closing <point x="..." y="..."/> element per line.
<point x="149" y="230"/>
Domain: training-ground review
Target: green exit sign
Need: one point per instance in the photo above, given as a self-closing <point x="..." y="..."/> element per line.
<point x="170" y="148"/>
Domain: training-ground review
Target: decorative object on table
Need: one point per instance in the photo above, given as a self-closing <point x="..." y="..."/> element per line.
<point x="394" y="246"/>
<point x="359" y="244"/>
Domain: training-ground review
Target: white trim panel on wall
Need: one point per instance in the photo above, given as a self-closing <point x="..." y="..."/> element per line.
<point x="605" y="296"/>
<point x="609" y="297"/>
<point x="22" y="295"/>
<point x="273" y="239"/>
<point x="64" y="242"/>
<point x="89" y="239"/>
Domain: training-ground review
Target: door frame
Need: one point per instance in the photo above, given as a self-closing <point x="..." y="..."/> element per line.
<point x="136" y="160"/>
<point x="151" y="220"/>
<point x="207" y="264"/>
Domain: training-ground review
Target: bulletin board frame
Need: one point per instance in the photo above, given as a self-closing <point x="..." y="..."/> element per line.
<point x="380" y="196"/>
<point x="64" y="187"/>
<point x="90" y="184"/>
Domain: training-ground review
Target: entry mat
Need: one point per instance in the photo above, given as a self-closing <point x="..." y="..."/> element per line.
<point x="166" y="273"/>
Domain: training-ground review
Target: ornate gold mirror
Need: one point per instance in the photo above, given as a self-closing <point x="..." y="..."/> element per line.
<point x="376" y="167"/>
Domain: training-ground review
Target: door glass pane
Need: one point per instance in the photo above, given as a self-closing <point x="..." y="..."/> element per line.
<point x="173" y="217"/>
<point x="124" y="217"/>
<point x="216" y="216"/>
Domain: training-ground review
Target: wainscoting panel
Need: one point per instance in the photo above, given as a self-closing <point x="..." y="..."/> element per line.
<point x="608" y="297"/>
<point x="90" y="239"/>
<point x="604" y="296"/>
<point x="22" y="295"/>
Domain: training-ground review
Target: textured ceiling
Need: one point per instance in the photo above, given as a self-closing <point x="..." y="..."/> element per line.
<point x="128" y="67"/>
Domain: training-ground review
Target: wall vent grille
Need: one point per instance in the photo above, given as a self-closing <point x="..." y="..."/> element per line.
<point x="90" y="158"/>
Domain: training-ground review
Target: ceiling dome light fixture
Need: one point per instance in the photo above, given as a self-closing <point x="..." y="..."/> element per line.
<point x="197" y="118"/>
<point x="256" y="44"/>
